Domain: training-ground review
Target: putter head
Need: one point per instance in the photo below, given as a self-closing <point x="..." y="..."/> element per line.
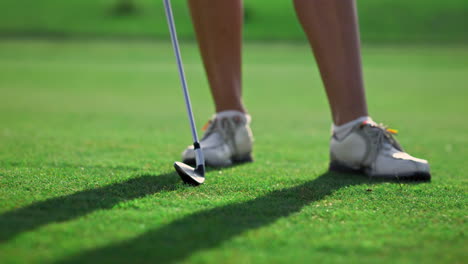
<point x="190" y="175"/>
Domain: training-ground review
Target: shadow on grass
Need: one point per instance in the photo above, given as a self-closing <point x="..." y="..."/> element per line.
<point x="68" y="207"/>
<point x="209" y="228"/>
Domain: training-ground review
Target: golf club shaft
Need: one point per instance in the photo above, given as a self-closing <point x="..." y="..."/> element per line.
<point x="175" y="45"/>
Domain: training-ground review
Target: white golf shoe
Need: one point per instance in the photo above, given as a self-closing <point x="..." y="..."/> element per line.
<point x="371" y="148"/>
<point x="228" y="140"/>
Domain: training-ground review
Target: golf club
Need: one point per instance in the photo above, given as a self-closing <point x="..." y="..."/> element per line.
<point x="193" y="176"/>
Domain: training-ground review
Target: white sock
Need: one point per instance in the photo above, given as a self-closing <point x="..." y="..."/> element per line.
<point x="232" y="113"/>
<point x="341" y="131"/>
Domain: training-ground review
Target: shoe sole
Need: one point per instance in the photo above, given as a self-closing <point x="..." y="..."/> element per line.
<point x="234" y="161"/>
<point x="336" y="166"/>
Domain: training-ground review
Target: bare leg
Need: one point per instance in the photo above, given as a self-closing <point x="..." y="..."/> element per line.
<point x="332" y="29"/>
<point x="218" y="26"/>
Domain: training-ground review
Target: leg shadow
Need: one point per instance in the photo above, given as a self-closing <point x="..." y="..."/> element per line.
<point x="72" y="206"/>
<point x="209" y="228"/>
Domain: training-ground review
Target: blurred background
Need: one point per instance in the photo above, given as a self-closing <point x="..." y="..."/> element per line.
<point x="398" y="21"/>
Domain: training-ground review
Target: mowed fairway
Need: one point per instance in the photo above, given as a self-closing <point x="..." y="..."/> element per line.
<point x="89" y="132"/>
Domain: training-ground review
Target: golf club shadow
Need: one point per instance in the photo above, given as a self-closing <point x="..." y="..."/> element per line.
<point x="72" y="206"/>
<point x="209" y="228"/>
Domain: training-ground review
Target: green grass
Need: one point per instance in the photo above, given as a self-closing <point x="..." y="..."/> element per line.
<point x="397" y="21"/>
<point x="89" y="132"/>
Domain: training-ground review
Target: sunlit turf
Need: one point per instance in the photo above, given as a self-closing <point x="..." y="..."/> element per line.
<point x="89" y="132"/>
